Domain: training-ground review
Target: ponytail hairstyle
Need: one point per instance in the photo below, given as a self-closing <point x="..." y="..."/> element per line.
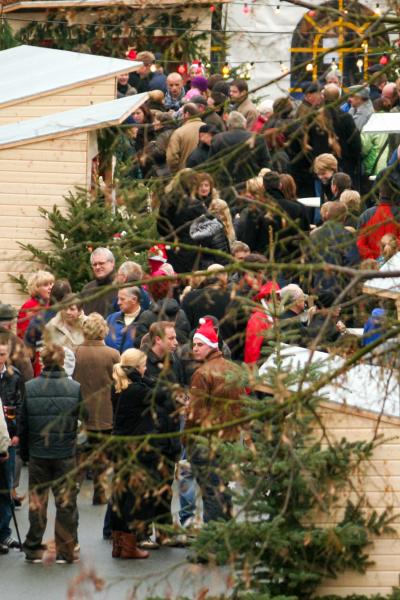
<point x="131" y="358"/>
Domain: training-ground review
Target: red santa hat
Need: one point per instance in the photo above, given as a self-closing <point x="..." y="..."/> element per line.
<point x="266" y="290"/>
<point x="158" y="252"/>
<point x="206" y="333"/>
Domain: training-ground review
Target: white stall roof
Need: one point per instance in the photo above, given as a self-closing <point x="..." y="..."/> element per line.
<point x="383" y="123"/>
<point x="81" y="119"/>
<point x="10" y="6"/>
<point x="369" y="387"/>
<point x="389" y="284"/>
<point x="29" y="71"/>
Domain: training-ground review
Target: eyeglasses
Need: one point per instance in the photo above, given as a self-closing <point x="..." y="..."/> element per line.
<point x="99" y="264"/>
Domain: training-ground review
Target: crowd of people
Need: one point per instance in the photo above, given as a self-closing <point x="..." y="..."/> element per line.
<point x="145" y="368"/>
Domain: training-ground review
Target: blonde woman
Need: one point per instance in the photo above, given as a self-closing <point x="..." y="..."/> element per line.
<point x="135" y="403"/>
<point x="40" y="285"/>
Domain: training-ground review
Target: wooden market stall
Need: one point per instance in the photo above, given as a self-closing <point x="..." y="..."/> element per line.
<point x="41" y="81"/>
<point x="41" y="161"/>
<point x="362" y="405"/>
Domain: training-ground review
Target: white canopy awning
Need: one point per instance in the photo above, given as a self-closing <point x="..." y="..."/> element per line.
<point x="30" y="71"/>
<point x="95" y="116"/>
<point x="383" y="123"/>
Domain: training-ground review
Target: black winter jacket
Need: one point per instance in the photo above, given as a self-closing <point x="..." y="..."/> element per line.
<point x="175" y="216"/>
<point x="167" y="378"/>
<point x="12" y="394"/>
<point x="133" y="411"/>
<point x="163" y="310"/>
<point x="49" y="416"/>
<point x="209" y="232"/>
<point x="242" y="155"/>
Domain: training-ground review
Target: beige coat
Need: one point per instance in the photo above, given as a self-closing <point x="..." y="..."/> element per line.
<point x="182" y="143"/>
<point x="249" y="111"/>
<point x="93" y="370"/>
<point x="57" y="332"/>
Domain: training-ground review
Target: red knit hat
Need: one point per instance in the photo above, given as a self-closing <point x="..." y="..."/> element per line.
<point x="206" y="333"/>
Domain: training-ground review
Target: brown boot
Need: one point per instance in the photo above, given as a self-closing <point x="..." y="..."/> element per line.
<point x="129" y="548"/>
<point x="116" y="548"/>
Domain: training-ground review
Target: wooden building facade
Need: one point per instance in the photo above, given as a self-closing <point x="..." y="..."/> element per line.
<point x="45" y="94"/>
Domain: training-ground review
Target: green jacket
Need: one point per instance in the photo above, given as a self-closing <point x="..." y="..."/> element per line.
<point x="375" y="151"/>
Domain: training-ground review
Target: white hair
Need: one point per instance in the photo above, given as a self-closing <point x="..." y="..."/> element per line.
<point x="102" y="252"/>
<point x="291" y="293"/>
<point x="236" y="120"/>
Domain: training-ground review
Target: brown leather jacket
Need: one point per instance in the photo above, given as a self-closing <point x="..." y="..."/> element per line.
<point x="214" y="396"/>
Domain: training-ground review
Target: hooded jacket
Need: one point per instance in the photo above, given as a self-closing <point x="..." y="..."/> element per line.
<point x="166" y="309"/>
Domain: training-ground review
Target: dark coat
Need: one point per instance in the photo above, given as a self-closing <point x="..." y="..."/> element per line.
<point x="209" y="232"/>
<point x="133" y="414"/>
<point x="174" y="219"/>
<point x="233" y="324"/>
<point x="163" y="310"/>
<point x="103" y="303"/>
<point x="18" y="353"/>
<point x="290" y="219"/>
<point x="242" y="155"/>
<point x="167" y="377"/>
<point x="205" y="300"/>
<point x="198" y="156"/>
<point x="253" y="228"/>
<point x="49" y="416"/>
<point x="333" y="244"/>
<point x="12" y="394"/>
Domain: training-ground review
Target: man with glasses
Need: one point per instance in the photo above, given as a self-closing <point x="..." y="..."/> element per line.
<point x="100" y="295"/>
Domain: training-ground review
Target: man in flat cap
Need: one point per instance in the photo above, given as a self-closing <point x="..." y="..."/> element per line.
<point x="361" y="105"/>
<point x="201" y="153"/>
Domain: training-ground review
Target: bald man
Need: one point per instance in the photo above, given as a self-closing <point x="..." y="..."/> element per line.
<point x="175" y="92"/>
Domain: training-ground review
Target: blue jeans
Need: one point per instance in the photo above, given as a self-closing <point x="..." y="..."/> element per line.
<point x="187" y="492"/>
<point x="217" y="502"/>
<point x="7" y="484"/>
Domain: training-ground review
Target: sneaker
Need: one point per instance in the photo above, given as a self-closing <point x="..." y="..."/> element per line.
<point x="148" y="544"/>
<point x="61" y="560"/>
<point x="32" y="560"/>
<point x="4" y="549"/>
<point x="10" y="542"/>
<point x="17" y="500"/>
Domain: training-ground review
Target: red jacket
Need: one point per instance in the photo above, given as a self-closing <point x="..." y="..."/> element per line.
<point x="257" y="325"/>
<point x="26" y="312"/>
<point x="374" y="223"/>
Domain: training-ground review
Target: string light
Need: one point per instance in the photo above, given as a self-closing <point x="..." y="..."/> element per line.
<point x="377" y="9"/>
<point x="334" y="66"/>
<point x="226" y="71"/>
<point x="277" y="7"/>
<point x="212" y="8"/>
<point x="360" y="64"/>
<point x="309" y="67"/>
<point x="246" y="9"/>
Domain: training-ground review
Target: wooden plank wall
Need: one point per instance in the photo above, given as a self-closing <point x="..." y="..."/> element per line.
<point x="84" y="95"/>
<point x="34" y="175"/>
<point x="380" y="480"/>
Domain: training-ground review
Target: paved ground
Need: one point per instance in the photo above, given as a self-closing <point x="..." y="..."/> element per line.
<point x="165" y="573"/>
